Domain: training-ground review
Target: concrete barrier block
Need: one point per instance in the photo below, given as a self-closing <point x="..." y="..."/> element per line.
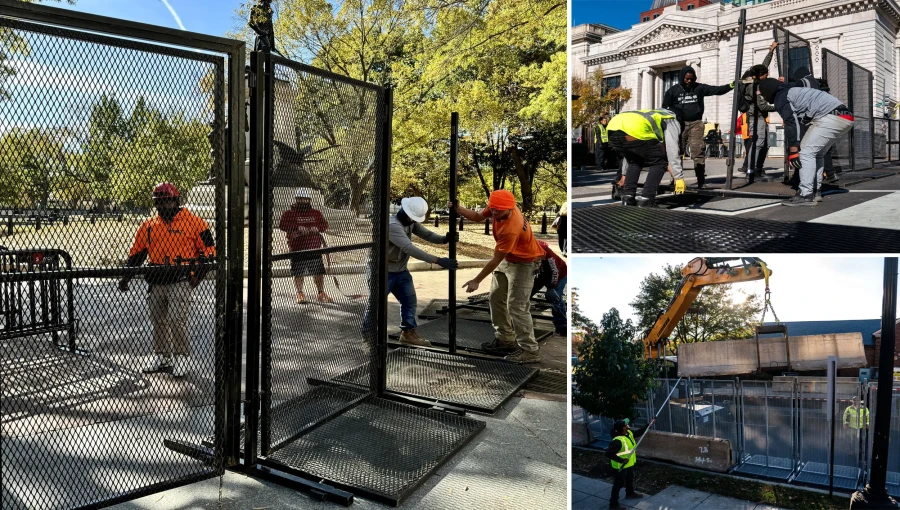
<point x="699" y="452"/>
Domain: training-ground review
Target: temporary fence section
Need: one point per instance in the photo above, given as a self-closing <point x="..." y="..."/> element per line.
<point x="793" y="55"/>
<point x="115" y="331"/>
<point x="767" y="430"/>
<point x="815" y="436"/>
<point x="852" y="84"/>
<point x="715" y="405"/>
<point x="326" y="374"/>
<point x="867" y="421"/>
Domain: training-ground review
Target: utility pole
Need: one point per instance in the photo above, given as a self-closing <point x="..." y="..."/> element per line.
<point x="875" y="495"/>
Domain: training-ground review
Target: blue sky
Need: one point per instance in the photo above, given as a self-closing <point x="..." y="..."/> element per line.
<point x="213" y="17"/>
<point x="804" y="288"/>
<point x="615" y="13"/>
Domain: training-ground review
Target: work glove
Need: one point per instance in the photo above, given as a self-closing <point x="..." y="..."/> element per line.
<point x="731" y="84"/>
<point x="455" y="237"/>
<point x="794" y="160"/>
<point x="679" y="186"/>
<point x="447" y="263"/>
<point x="123" y="283"/>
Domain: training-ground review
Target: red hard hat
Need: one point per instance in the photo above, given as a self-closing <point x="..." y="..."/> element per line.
<point x="165" y="190"/>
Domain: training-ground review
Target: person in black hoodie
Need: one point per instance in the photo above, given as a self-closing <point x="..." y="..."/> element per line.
<point x="685" y="98"/>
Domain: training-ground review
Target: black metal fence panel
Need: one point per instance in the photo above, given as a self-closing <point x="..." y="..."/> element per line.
<point x="322" y="214"/>
<point x="793" y="55"/>
<point x="852" y="84"/>
<point x="96" y="378"/>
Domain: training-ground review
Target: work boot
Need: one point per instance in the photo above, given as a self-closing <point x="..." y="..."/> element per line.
<point x="800" y="200"/>
<point x="762" y="177"/>
<point x="410" y="337"/>
<point x="524" y="357"/>
<point x="634" y="495"/>
<point x="179" y="368"/>
<point x="324" y="298"/>
<point x="499" y="348"/>
<point x="160" y="364"/>
<point x="629" y="200"/>
<point x="647" y="202"/>
<point x="700" y="172"/>
<point x="301" y="298"/>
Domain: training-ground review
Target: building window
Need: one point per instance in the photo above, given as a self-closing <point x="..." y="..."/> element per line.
<point x="609" y="83"/>
<point x="655" y="16"/>
<point x="800" y="63"/>
<point x="645" y="19"/>
<point x="690" y="7"/>
<point x="887" y="50"/>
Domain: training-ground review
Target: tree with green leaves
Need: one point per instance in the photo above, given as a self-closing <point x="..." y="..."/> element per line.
<point x="593" y="101"/>
<point x="612" y="374"/>
<point x="13" y="43"/>
<point x="719" y="312"/>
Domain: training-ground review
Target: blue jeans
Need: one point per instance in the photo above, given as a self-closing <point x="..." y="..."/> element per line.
<point x="402" y="287"/>
<point x="558" y="304"/>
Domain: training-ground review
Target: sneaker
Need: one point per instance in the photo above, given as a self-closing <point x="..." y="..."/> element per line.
<point x="818" y="196"/>
<point x="524" y="357"/>
<point x="629" y="200"/>
<point x="301" y="298"/>
<point x="324" y="298"/>
<point x="160" y="364"/>
<point x="498" y="347"/>
<point x="800" y="200"/>
<point x="179" y="368"/>
<point x="410" y="337"/>
<point x="634" y="495"/>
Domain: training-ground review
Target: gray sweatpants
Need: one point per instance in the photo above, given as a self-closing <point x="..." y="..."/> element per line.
<point x="821" y="136"/>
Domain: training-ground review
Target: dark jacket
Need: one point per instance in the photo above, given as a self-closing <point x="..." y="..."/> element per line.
<point x="615" y="447"/>
<point x="687" y="101"/>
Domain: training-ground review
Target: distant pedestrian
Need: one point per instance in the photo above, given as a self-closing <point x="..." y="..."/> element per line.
<point x="305" y="227"/>
<point x="601" y="143"/>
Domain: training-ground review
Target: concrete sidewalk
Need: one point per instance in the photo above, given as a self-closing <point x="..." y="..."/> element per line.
<point x="862" y="202"/>
<point x="593" y="494"/>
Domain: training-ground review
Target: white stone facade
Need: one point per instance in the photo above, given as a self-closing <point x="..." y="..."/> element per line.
<point x="863" y="31"/>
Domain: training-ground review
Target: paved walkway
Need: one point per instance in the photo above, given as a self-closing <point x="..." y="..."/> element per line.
<point x="867" y="203"/>
<point x="593" y="494"/>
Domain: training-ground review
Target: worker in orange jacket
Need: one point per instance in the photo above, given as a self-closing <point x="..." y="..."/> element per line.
<point x="178" y="247"/>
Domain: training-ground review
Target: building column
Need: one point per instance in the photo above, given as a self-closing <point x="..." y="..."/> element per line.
<point x="647" y="92"/>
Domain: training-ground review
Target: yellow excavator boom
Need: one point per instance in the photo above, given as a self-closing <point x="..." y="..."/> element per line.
<point x="699" y="273"/>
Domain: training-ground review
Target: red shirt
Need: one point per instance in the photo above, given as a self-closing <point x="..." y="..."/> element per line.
<point x="292" y="220"/>
<point x="561" y="268"/>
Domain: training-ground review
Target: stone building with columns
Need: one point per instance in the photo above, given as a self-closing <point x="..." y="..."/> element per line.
<point x="647" y="57"/>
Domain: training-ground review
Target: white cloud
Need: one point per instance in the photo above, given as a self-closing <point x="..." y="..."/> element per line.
<point x="174" y="14"/>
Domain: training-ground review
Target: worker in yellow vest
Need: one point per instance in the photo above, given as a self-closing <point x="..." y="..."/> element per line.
<point x="856" y="417"/>
<point x="601" y="143"/>
<point x="622" y="456"/>
<point x="646" y="138"/>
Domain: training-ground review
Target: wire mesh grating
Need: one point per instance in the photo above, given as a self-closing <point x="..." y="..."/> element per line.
<point x="89" y="124"/>
<point x="617" y="229"/>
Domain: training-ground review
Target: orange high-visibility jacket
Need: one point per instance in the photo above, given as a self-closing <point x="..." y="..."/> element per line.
<point x="185" y="238"/>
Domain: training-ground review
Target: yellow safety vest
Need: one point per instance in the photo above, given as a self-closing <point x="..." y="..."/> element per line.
<point x="855" y="419"/>
<point x="600" y="134"/>
<point x="627" y="444"/>
<point x="640" y="124"/>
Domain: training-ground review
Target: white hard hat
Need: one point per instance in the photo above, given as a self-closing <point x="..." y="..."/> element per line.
<point x="303" y="193"/>
<point x="415" y="207"/>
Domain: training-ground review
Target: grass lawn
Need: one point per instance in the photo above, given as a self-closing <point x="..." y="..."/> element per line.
<point x="653" y="477"/>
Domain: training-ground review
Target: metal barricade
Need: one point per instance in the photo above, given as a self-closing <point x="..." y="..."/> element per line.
<point x="715" y="410"/>
<point x="99" y="111"/>
<point x="852" y="84"/>
<point x="41" y="304"/>
<point x="893" y="462"/>
<point x="677" y="413"/>
<point x="815" y="436"/>
<point x="767" y="432"/>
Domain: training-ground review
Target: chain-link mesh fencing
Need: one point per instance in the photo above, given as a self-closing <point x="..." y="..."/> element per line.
<point x="715" y="409"/>
<point x="793" y="55"/>
<point x="893" y="461"/>
<point x="852" y="84"/>
<point x="321" y="223"/>
<point x="767" y="430"/>
<point x="815" y="435"/>
<point x="97" y="379"/>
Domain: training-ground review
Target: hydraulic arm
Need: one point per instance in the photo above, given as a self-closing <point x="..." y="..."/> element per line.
<point x="697" y="274"/>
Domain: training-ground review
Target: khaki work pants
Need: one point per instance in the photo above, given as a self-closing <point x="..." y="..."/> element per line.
<point x="170" y="311"/>
<point x="510" y="301"/>
<point x="692" y="137"/>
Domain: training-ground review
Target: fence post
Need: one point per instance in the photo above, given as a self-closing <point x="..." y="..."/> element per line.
<point x="437" y="220"/>
<point x="9" y="226"/>
<point x="544" y="223"/>
<point x="851" y="106"/>
<point x="461" y="221"/>
<point x="487" y="227"/>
